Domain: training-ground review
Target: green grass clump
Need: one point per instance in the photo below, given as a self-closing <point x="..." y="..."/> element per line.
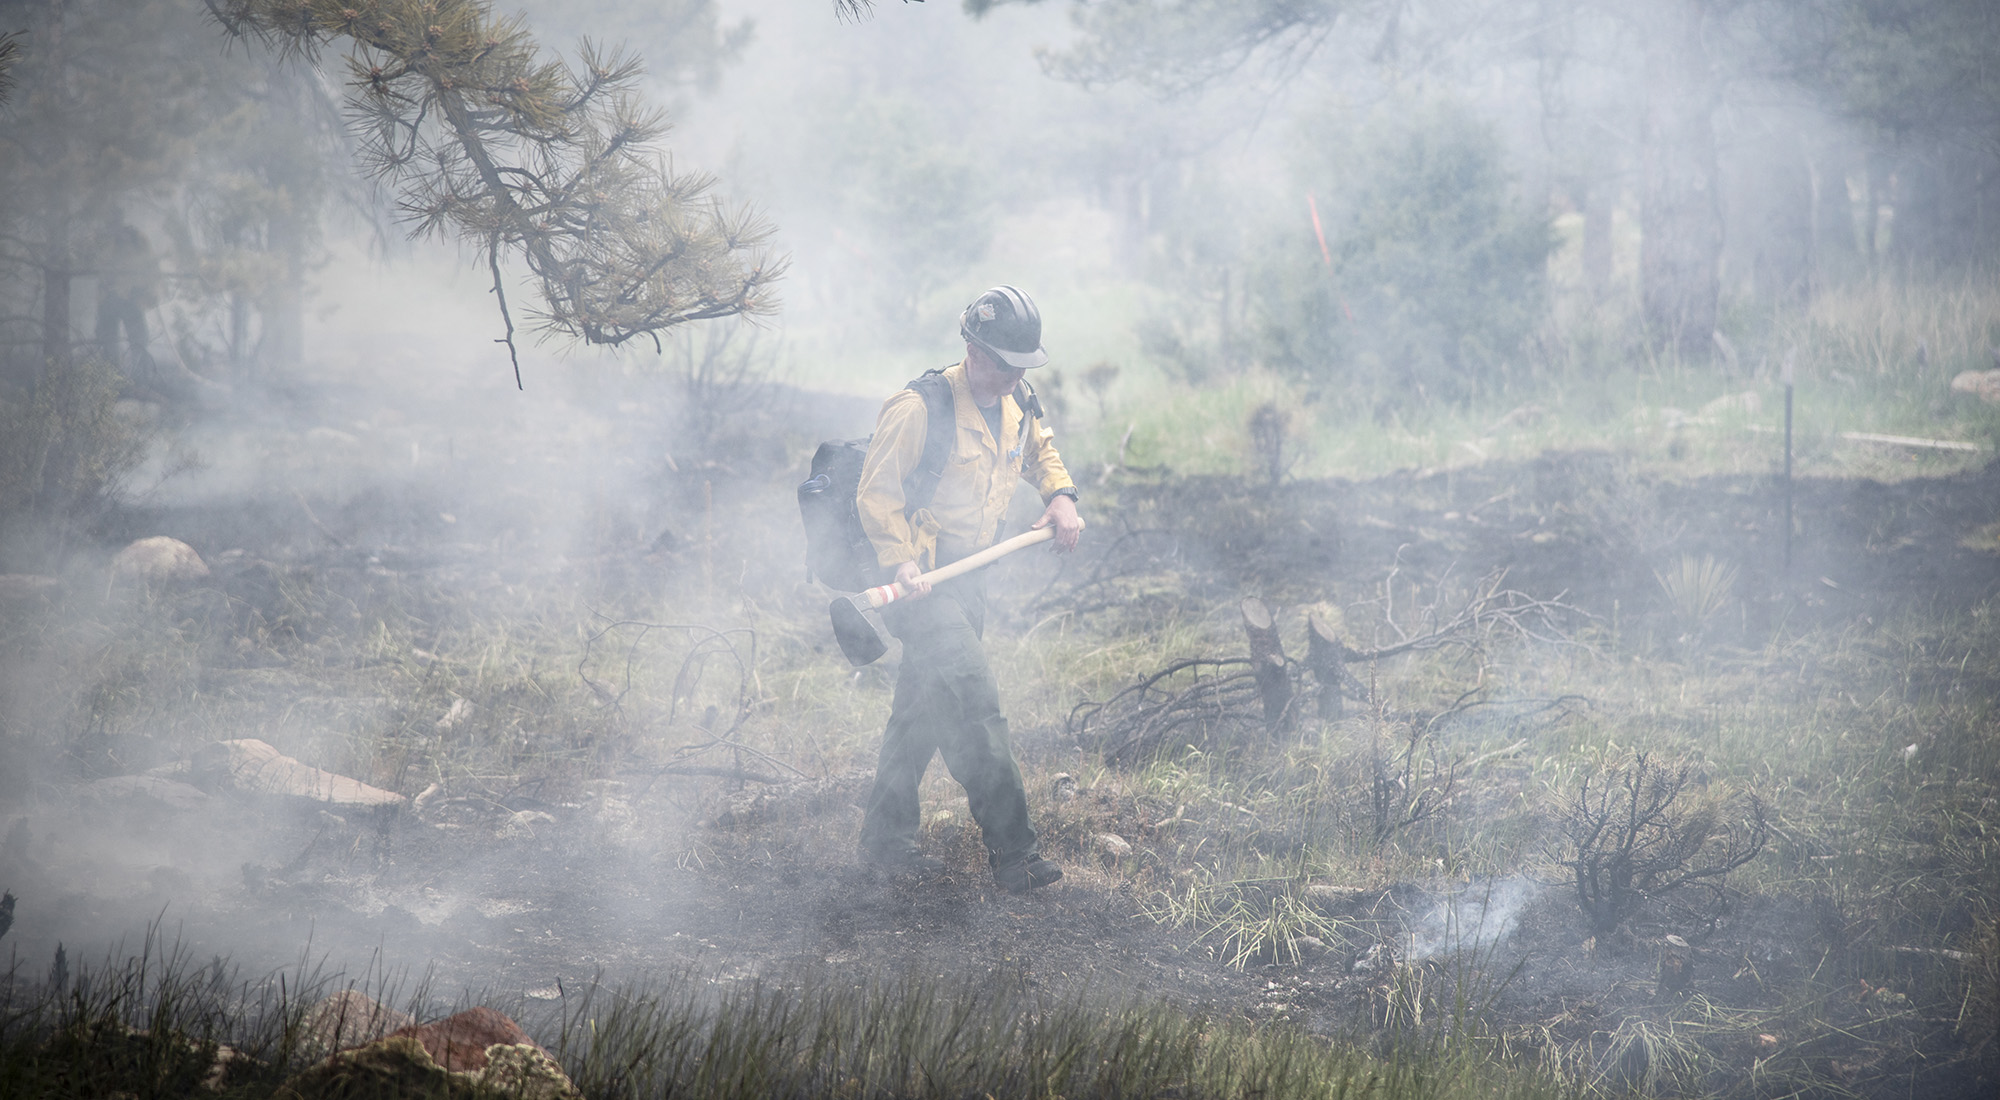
<point x="918" y="1038"/>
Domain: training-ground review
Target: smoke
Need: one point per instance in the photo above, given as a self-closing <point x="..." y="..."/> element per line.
<point x="1471" y="918"/>
<point x="395" y="495"/>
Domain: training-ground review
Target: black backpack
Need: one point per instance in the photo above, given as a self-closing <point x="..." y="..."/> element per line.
<point x="838" y="552"/>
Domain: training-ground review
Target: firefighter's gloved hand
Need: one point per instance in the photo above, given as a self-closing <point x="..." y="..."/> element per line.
<point x="1069" y="526"/>
<point x="910" y="577"/>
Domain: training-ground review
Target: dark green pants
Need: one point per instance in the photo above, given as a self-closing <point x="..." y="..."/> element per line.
<point x="946" y="701"/>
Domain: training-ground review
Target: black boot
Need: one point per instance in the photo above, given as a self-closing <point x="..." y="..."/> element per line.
<point x="1030" y="872"/>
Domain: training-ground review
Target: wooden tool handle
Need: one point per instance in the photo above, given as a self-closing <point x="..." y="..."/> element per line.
<point x="890" y="593"/>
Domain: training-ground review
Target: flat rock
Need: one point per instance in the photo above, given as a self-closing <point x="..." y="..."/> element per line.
<point x="137" y="792"/>
<point x="250" y="766"/>
<point x="158" y="559"/>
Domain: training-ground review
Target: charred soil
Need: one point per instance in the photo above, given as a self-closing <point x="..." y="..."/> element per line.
<point x="530" y="874"/>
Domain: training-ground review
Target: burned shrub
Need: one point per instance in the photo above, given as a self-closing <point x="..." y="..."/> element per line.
<point x="1643" y="831"/>
<point x="1410" y="781"/>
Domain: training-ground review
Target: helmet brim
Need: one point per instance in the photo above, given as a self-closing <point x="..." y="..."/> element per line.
<point x="1015" y="360"/>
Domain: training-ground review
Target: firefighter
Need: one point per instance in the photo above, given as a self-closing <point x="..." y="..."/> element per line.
<point x="946" y="700"/>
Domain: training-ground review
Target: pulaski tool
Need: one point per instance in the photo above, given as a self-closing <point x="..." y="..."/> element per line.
<point x="863" y="643"/>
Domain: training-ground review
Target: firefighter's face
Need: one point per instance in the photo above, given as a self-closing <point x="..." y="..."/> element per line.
<point x="988" y="378"/>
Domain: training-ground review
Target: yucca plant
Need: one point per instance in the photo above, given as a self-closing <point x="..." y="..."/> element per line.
<point x="1697" y="588"/>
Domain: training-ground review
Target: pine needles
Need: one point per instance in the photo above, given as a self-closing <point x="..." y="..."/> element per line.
<point x="486" y="143"/>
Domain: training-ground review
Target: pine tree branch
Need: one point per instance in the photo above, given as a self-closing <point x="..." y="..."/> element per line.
<point x="487" y="144"/>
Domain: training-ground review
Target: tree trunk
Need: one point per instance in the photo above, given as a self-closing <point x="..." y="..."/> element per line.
<point x="1834" y="251"/>
<point x="1772" y="204"/>
<point x="1680" y="219"/>
<point x="1267" y="661"/>
<point x="1597" y="198"/>
<point x="56" y="281"/>
<point x="1942" y="189"/>
<point x="1328" y="658"/>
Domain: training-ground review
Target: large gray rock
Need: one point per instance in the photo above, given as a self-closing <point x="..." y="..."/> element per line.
<point x="250" y="766"/>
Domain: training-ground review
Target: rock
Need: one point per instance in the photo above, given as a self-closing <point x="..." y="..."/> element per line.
<point x="158" y="560"/>
<point x="250" y="766"/>
<point x="526" y="1071"/>
<point x="346" y="1019"/>
<point x="27" y="588"/>
<point x="1063" y="787"/>
<point x="459" y="1043"/>
<point x="132" y="793"/>
<point x="1983" y="384"/>
<point x="400" y="1066"/>
<point x="387" y="1068"/>
<point x="1111" y="844"/>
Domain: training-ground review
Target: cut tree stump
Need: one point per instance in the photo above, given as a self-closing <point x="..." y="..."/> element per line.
<point x="1326" y="654"/>
<point x="1267" y="662"/>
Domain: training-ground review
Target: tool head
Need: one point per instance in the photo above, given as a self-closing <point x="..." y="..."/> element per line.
<point x="859" y="639"/>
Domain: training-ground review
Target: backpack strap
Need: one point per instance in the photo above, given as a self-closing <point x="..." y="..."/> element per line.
<point x="1031" y="410"/>
<point x="940" y="431"/>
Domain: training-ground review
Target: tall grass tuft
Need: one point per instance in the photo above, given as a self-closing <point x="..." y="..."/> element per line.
<point x="161" y="1025"/>
<point x="919" y="1037"/>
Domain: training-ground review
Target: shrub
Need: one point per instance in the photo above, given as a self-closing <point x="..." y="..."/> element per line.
<point x="1437" y="269"/>
<point x="65" y="450"/>
<point x="1641" y="831"/>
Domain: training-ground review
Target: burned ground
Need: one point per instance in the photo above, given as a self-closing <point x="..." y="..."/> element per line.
<point x="595" y="857"/>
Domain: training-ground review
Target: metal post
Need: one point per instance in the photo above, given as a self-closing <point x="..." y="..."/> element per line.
<point x="1789" y="355"/>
